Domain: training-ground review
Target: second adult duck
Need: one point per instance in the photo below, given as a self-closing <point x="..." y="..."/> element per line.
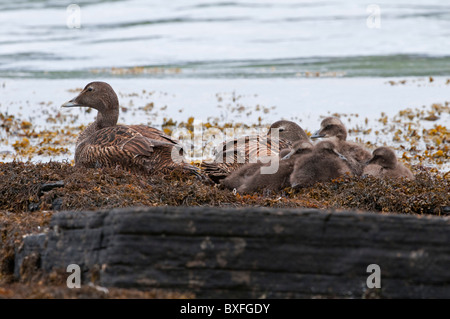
<point x="105" y="143"/>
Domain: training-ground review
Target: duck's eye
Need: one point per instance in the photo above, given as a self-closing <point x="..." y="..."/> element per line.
<point x="90" y="89"/>
<point x="281" y="129"/>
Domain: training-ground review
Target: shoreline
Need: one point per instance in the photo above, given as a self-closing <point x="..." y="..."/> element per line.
<point x="399" y="114"/>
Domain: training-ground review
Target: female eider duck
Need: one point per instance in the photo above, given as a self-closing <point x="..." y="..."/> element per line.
<point x="104" y="143"/>
<point x="333" y="127"/>
<point x="238" y="152"/>
<point x="323" y="164"/>
<point x="384" y="164"/>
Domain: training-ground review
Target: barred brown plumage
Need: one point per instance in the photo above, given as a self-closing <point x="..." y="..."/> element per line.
<point x="238" y="152"/>
<point x="132" y="147"/>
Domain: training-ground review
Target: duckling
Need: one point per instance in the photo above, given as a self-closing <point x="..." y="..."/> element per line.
<point x="298" y="148"/>
<point x="252" y="177"/>
<point x="104" y="143"/>
<point x="323" y="164"/>
<point x="246" y="171"/>
<point x="284" y="152"/>
<point x="240" y="175"/>
<point x="332" y="126"/>
<point x="384" y="164"/>
<point x="281" y="178"/>
<point x="238" y="152"/>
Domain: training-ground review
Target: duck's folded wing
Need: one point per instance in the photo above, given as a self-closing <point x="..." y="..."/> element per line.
<point x="265" y="146"/>
<point x="252" y="147"/>
<point x="154" y="134"/>
<point x="122" y="142"/>
<point x="235" y="153"/>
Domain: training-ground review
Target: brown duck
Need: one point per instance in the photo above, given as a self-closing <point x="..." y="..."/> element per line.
<point x="234" y="154"/>
<point x="384" y="164"/>
<point x="104" y="143"/>
<point x="323" y="164"/>
<point x="356" y="154"/>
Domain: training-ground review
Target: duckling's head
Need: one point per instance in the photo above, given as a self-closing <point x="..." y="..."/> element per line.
<point x="288" y="131"/>
<point x="298" y="148"/>
<point x="98" y="95"/>
<point x="384" y="156"/>
<point x="329" y="147"/>
<point x="331" y="126"/>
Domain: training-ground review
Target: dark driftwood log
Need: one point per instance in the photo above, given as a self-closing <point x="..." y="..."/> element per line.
<point x="251" y="252"/>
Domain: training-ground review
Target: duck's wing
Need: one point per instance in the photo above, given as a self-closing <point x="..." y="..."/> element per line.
<point x="265" y="146"/>
<point x="220" y="169"/>
<point x="177" y="154"/>
<point x="235" y="153"/>
<point x="154" y="134"/>
<point x="252" y="147"/>
<point x="124" y="146"/>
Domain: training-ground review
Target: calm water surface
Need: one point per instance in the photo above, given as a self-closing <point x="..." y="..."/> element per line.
<point x="192" y="38"/>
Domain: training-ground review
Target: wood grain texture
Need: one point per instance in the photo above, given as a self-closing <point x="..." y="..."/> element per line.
<point x="251" y="252"/>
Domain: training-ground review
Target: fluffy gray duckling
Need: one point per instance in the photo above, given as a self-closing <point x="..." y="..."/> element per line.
<point x="323" y="164"/>
<point x="279" y="178"/>
<point x="384" y="164"/>
<point x="333" y="127"/>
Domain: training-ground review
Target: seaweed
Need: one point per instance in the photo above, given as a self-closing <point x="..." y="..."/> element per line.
<point x="31" y="193"/>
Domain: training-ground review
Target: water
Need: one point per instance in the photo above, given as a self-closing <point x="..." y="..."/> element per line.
<point x="298" y="60"/>
<point x="224" y="38"/>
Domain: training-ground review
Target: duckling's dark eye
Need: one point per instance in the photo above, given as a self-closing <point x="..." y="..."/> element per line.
<point x="90" y="89"/>
<point x="281" y="129"/>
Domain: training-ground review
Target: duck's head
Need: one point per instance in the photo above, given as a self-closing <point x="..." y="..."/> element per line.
<point x="384" y="156"/>
<point x="288" y="131"/>
<point x="98" y="95"/>
<point x="331" y="126"/>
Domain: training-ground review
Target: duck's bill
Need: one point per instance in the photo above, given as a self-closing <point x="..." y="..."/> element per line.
<point x="342" y="157"/>
<point x="71" y="104"/>
<point x="317" y="135"/>
<point x="288" y="155"/>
